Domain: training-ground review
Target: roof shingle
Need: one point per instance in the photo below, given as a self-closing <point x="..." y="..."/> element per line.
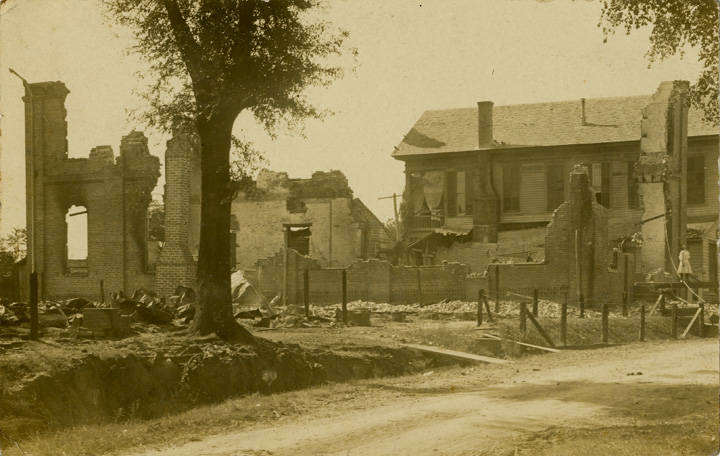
<point x="608" y="120"/>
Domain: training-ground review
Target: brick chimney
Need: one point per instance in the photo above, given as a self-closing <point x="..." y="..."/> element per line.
<point x="485" y="123"/>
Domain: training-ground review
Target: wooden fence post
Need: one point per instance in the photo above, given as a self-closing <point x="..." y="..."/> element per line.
<point x="625" y="296"/>
<point x="419" y="284"/>
<point x="563" y="322"/>
<point x="662" y="302"/>
<point x="344" y="296"/>
<point x="642" y="323"/>
<point x="523" y="318"/>
<point x="306" y="292"/>
<point x="497" y="288"/>
<point x="481" y="295"/>
<point x="673" y="321"/>
<point x="486" y="303"/>
<point x="539" y="328"/>
<point x="34" y="305"/>
<point x="604" y="322"/>
<point x="535" y="302"/>
<point x="701" y="320"/>
<point x="102" y="291"/>
<point x="582" y="306"/>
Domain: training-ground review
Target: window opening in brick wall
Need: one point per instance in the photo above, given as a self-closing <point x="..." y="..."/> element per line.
<point x="298" y="239"/>
<point x="76" y="245"/>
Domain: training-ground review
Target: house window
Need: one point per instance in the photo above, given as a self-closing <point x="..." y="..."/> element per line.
<point x="696" y="179"/>
<point x="460" y="193"/>
<point x="511" y="187"/>
<point x="555" y="180"/>
<point x="633" y="198"/>
<point x="456" y="201"/>
<point x="76" y="246"/>
<point x="600" y="182"/>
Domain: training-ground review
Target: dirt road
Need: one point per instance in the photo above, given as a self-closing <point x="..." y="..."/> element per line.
<point x="633" y="386"/>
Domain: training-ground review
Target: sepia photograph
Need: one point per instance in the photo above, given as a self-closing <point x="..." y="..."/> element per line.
<point x="359" y="228"/>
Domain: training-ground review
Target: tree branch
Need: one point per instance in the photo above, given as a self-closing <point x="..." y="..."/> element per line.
<point x="189" y="48"/>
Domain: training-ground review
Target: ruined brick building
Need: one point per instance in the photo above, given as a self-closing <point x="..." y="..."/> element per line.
<point x="482" y="183"/>
<point x="319" y="216"/>
<point x="110" y="193"/>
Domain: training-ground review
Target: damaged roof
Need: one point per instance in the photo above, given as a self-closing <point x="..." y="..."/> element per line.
<point x="613" y="119"/>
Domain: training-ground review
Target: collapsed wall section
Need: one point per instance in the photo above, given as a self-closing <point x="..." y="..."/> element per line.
<point x="661" y="171"/>
<point x="577" y="254"/>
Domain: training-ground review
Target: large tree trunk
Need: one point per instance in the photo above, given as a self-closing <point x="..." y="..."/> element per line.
<point x="214" y="312"/>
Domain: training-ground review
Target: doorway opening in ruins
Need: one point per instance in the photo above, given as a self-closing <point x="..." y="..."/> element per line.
<point x="76" y="241"/>
<point x="298" y="238"/>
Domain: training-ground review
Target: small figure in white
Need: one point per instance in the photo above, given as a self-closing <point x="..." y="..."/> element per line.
<point x="684" y="267"/>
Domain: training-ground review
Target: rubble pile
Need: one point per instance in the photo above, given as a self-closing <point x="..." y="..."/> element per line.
<point x="142" y="308"/>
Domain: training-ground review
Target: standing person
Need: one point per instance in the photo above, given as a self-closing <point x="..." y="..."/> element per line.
<point x="684" y="268"/>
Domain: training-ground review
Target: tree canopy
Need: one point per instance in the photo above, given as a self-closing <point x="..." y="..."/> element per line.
<point x="231" y="55"/>
<point x="209" y="61"/>
<point x="674" y="25"/>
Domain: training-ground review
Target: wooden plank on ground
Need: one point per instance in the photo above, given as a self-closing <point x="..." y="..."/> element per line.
<point x="541" y="347"/>
<point x="686" y="302"/>
<point x="540" y="329"/>
<point x="691" y="323"/>
<point x="674" y="285"/>
<point x="657" y="302"/>
<point x="457" y="354"/>
<point x="530" y="298"/>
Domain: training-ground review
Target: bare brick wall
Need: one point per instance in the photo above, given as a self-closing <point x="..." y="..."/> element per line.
<point x="371" y="280"/>
<point x="260" y="229"/>
<point x="324" y="201"/>
<point x="115" y="192"/>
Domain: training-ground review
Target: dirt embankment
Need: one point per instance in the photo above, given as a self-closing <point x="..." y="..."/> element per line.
<point x="51" y="386"/>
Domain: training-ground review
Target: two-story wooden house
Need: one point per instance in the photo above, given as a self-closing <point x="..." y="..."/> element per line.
<point x="473" y="174"/>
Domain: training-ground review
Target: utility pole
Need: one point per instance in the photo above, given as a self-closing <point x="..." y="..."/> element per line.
<point x="33" y="278"/>
<point x="395" y="210"/>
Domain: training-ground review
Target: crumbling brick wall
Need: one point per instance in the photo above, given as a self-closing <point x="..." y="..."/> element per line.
<point x="270" y="272"/>
<point x="577" y="252"/>
<point x="115" y="191"/>
<point x="324" y="201"/>
<point x="176" y="265"/>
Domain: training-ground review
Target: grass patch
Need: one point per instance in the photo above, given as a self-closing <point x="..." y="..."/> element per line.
<point x="588" y="331"/>
<point x="194" y="424"/>
<point x="682" y="438"/>
<point x="241" y="413"/>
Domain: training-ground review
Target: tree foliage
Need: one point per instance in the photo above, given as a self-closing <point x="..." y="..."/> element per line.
<point x="13" y="245"/>
<point x="209" y="61"/>
<point x="674" y="25"/>
<point x="231" y="55"/>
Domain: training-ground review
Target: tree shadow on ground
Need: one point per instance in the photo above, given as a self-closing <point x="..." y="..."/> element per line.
<point x="640" y="399"/>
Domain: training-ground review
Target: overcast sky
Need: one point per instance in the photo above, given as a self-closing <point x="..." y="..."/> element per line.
<point x="413" y="55"/>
